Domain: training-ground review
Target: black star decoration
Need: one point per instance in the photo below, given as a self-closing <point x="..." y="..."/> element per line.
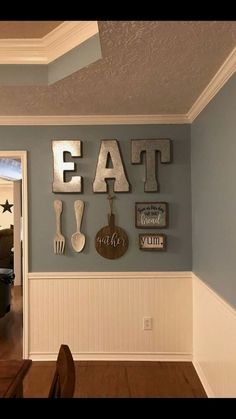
<point x="7" y="206"/>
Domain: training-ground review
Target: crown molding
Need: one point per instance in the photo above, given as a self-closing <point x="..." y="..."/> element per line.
<point x="60" y="40"/>
<point x="68" y="36"/>
<point x="227" y="69"/>
<point x="93" y="119"/>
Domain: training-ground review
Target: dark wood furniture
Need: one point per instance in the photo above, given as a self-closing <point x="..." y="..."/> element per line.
<point x="6" y="265"/>
<point x="6" y="281"/>
<point x="6" y="245"/>
<point x="12" y="373"/>
<point x="63" y="384"/>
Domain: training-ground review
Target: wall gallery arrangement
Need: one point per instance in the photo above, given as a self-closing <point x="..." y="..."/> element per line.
<point x="111" y="241"/>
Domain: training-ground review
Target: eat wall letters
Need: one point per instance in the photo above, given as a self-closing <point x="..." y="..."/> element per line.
<point x="110" y="153"/>
<point x="60" y="166"/>
<point x="150" y="147"/>
<point x="110" y="150"/>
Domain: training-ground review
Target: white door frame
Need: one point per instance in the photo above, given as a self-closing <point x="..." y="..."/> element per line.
<point x="22" y="155"/>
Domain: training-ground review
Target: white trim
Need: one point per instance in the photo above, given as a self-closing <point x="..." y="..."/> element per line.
<point x="22" y="51"/>
<point x="4" y="185"/>
<point x="62" y="39"/>
<point x="117" y="356"/>
<point x="227" y="69"/>
<point x="92" y="119"/>
<point x="216" y="296"/>
<point x="22" y="155"/>
<point x="25" y="254"/>
<point x="225" y="316"/>
<point x="203" y="379"/>
<point x="108" y="275"/>
<point x="68" y="36"/>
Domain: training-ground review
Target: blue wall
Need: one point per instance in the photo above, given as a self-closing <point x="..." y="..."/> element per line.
<point x="175" y="189"/>
<point x="213" y="150"/>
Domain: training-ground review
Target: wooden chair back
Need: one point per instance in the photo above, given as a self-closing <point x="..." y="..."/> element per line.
<point x="63" y="384"/>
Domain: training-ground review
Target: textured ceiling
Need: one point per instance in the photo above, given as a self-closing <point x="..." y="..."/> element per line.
<point x="158" y="67"/>
<point x="26" y="29"/>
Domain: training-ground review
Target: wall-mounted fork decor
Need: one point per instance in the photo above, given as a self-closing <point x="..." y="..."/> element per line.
<point x="59" y="239"/>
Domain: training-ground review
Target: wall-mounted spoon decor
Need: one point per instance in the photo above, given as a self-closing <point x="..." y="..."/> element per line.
<point x="78" y="238"/>
<point x="59" y="239"/>
<point x="111" y="241"/>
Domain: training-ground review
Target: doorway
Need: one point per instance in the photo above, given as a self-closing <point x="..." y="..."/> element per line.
<point x="15" y="322"/>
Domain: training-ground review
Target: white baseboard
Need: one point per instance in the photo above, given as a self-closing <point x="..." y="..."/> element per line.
<point x="203" y="380"/>
<point x="184" y="357"/>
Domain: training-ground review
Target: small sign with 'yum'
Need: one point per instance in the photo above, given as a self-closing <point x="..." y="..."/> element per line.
<point x="152" y="241"/>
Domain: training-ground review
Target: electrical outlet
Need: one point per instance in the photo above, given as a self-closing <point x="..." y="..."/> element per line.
<point x="147" y="323"/>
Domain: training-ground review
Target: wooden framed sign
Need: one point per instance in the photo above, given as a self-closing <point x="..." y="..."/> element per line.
<point x="151" y="214"/>
<point x="152" y="242"/>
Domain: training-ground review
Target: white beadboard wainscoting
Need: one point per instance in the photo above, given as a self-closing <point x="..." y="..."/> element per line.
<point x="214" y="341"/>
<point x="100" y="315"/>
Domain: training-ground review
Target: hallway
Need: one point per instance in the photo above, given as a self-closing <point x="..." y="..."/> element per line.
<point x="11" y="330"/>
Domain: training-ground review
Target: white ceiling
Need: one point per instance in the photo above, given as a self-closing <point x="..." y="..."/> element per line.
<point x="147" y="68"/>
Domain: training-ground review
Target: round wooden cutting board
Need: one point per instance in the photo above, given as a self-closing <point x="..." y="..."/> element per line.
<point x="111" y="241"/>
